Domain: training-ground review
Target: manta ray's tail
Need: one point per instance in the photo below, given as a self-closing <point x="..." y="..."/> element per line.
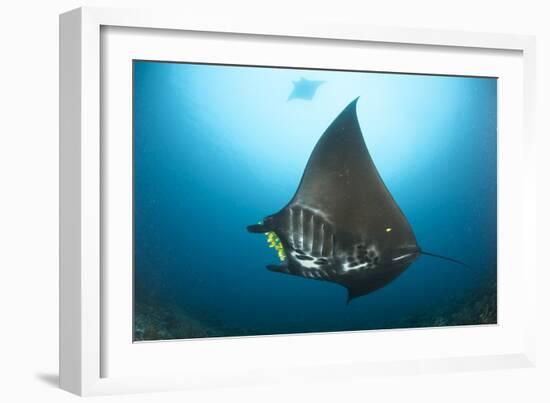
<point x="449" y="259"/>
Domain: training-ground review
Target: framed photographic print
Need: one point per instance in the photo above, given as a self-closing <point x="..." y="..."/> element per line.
<point x="242" y="201"/>
<point x="356" y="218"/>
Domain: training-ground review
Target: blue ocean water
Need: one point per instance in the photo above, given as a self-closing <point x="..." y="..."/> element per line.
<point x="217" y="148"/>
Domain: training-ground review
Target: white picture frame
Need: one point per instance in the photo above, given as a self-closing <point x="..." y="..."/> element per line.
<point x="88" y="339"/>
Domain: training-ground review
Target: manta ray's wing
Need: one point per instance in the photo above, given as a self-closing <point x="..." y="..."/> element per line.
<point x="342" y="182"/>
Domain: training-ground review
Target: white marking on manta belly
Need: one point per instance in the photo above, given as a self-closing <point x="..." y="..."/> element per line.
<point x="395" y="259"/>
<point x="368" y="265"/>
<point x="301" y="229"/>
<point x="314" y="210"/>
<point x="291" y="227"/>
<point x="347" y="267"/>
<point x="306" y="264"/>
<point x="322" y="241"/>
<point x="312" y="231"/>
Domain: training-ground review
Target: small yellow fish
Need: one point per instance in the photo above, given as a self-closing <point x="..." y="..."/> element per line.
<point x="274" y="242"/>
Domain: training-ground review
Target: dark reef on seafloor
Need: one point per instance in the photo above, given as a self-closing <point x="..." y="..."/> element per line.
<point x="475" y="307"/>
<point x="156" y="320"/>
<point x="164" y="322"/>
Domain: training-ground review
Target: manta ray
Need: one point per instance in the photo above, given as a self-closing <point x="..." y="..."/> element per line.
<point x="304" y="89"/>
<point x="343" y="225"/>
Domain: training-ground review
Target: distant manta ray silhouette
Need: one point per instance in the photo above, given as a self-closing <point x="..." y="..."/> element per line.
<point x="304" y="89"/>
<point x="343" y="225"/>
